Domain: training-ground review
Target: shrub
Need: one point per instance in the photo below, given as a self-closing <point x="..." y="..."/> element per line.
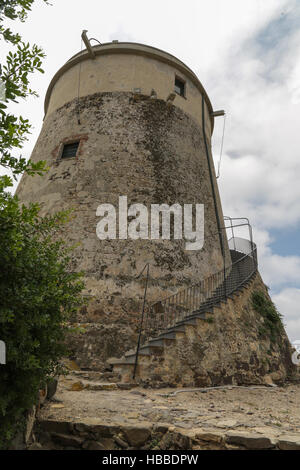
<point x="37" y="296"/>
<point x="272" y="326"/>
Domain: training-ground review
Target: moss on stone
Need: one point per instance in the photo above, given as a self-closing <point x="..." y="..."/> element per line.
<point x="272" y="326"/>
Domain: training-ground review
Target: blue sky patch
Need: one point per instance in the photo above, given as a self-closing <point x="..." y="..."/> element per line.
<point x="286" y="241"/>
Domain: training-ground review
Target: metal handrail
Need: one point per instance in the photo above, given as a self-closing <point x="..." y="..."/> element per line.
<point x="204" y="294"/>
<point x="142" y="317"/>
<point x="201" y="296"/>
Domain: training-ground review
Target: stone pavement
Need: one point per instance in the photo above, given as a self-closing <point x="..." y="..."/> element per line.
<point x="259" y="417"/>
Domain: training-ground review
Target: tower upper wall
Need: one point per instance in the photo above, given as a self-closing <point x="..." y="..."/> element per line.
<point x="126" y="67"/>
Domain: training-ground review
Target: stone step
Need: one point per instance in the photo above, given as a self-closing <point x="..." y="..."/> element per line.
<point x="155" y="342"/>
<point x="187" y="321"/>
<point x="95" y="375"/>
<point x="169" y="333"/>
<point x="91" y="385"/>
<point x="204" y="308"/>
<point x="143" y="350"/>
<point x="174" y="329"/>
<point x="98" y="386"/>
<point x="200" y="316"/>
<point x="108" y="386"/>
<point x="122" y="361"/>
<point x="125" y="363"/>
<point x="170" y="336"/>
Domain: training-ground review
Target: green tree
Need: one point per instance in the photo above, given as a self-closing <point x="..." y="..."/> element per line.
<point x="37" y="291"/>
<point x="38" y="294"/>
<point x="20" y="62"/>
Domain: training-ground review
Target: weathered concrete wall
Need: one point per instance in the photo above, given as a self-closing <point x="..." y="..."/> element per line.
<point x="95" y="342"/>
<point x="125" y="67"/>
<point x="135" y="146"/>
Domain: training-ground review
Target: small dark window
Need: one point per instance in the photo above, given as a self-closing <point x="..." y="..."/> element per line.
<point x="179" y="86"/>
<point x="70" y="150"/>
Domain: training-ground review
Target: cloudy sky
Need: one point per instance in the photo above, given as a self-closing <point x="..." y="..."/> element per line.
<point x="247" y="55"/>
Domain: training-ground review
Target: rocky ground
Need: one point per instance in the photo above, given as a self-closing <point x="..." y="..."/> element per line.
<point x="263" y="411"/>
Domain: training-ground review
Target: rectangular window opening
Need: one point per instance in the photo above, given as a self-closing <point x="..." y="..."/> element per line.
<point x="179" y="86"/>
<point x="70" y="150"/>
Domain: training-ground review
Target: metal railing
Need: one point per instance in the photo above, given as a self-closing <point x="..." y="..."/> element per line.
<point x="203" y="295"/>
<point x="146" y="267"/>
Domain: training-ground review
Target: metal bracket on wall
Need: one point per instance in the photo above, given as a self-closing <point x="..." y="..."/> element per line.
<point x="88" y="44"/>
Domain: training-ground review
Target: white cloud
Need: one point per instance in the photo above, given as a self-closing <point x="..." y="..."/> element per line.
<point x="288" y="304"/>
<point x="279" y="270"/>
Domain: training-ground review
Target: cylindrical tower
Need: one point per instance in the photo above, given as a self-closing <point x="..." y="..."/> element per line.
<point x="128" y="120"/>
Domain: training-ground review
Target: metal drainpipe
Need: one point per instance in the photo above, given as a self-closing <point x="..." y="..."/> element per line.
<point x="213" y="192"/>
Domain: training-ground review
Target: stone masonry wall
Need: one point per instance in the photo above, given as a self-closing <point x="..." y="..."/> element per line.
<point x="230" y="347"/>
<point x="93" y="435"/>
<point x="129" y="145"/>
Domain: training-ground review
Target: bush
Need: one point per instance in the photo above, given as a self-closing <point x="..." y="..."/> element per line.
<point x="272" y="326"/>
<point x="37" y="296"/>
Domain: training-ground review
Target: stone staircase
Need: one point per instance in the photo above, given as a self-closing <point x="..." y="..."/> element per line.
<point x="152" y="352"/>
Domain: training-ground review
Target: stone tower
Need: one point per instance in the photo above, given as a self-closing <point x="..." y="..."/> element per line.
<point x="125" y="119"/>
<point x="139" y="124"/>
